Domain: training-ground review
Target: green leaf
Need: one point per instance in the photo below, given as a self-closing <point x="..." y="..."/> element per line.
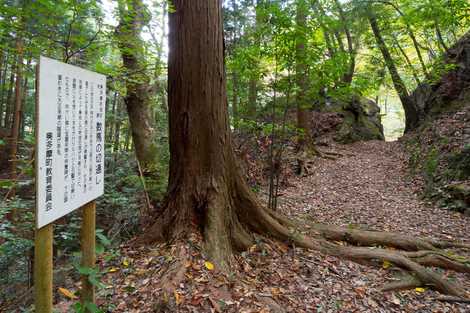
<point x="86" y="270"/>
<point x="93" y="308"/>
<point x="103" y="239"/>
<point x="99" y="249"/>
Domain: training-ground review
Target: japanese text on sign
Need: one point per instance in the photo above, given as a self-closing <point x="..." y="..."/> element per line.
<point x="70" y="139"/>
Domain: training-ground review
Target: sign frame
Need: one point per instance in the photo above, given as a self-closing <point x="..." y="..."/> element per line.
<point x="43" y="246"/>
<point x="67" y="159"/>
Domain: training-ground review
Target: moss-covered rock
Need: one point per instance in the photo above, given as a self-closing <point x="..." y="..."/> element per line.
<point x="440" y="147"/>
<point x="449" y="89"/>
<point x="361" y="120"/>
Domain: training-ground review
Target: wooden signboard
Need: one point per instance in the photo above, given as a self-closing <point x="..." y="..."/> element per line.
<point x="70" y="116"/>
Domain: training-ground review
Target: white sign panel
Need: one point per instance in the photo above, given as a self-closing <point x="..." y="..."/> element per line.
<point x="70" y="139"/>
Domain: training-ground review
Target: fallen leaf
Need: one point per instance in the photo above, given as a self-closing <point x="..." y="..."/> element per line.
<point x="386" y="264"/>
<point x="420" y="290"/>
<point x="69" y="294"/>
<point x="178" y="298"/>
<point x="209" y="265"/>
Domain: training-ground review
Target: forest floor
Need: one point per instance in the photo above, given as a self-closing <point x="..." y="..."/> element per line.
<point x="368" y="187"/>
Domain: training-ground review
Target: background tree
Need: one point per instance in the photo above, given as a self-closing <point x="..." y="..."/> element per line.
<point x="133" y="17"/>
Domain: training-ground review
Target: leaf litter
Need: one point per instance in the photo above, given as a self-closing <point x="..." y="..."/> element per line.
<point x="368" y="187"/>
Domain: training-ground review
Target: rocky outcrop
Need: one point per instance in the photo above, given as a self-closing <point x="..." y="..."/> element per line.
<point x="347" y="121"/>
<point x="451" y="86"/>
<point x="361" y="121"/>
<point x="440" y="147"/>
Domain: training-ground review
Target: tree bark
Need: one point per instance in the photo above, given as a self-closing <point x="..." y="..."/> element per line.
<point x="408" y="62"/>
<point x="206" y="192"/>
<point x="2" y="77"/>
<point x="301" y="68"/>
<point x="15" y="129"/>
<point x="24" y="98"/>
<point x="133" y="17"/>
<point x="235" y="113"/>
<point x="2" y="88"/>
<point x="117" y="127"/>
<point x="348" y="76"/>
<point x="418" y="53"/>
<point x="411" y="112"/>
<point x="110" y="131"/>
<point x="440" y="39"/>
<point x="9" y="103"/>
<point x="254" y="76"/>
<point x="128" y="140"/>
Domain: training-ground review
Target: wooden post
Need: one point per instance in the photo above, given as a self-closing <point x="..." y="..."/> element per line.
<point x="43" y="242"/>
<point x="88" y="242"/>
<point x="43" y="269"/>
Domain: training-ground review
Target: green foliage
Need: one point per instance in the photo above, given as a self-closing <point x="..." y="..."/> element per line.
<point x="15" y="245"/>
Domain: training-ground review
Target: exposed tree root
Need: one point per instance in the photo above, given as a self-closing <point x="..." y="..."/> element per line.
<point x="228" y="217"/>
<point x="389" y="239"/>
<point x="439" y="259"/>
<point x="409" y="282"/>
<point x="453" y="299"/>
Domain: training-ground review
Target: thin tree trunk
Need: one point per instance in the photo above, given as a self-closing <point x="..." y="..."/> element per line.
<point x="348" y="76"/>
<point x="411" y="112"/>
<point x="113" y="114"/>
<point x="418" y="53"/>
<point x="117" y="128"/>
<point x="3" y="69"/>
<point x="17" y="114"/>
<point x="440" y="39"/>
<point x="408" y="62"/>
<point x="24" y="98"/>
<point x="9" y="102"/>
<point x="329" y="39"/>
<point x="141" y="118"/>
<point x="303" y="107"/>
<point x="340" y="41"/>
<point x="252" y="97"/>
<point x="412" y="37"/>
<point x="234" y="73"/>
<point x="254" y="76"/>
<point x="2" y="77"/>
<point x="128" y="141"/>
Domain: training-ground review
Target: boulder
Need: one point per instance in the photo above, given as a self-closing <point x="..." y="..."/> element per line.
<point x="360" y="120"/>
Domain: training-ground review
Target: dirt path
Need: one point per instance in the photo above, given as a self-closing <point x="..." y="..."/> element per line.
<point x="368" y="188"/>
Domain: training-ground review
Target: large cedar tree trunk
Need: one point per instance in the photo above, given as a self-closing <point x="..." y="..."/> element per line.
<point x="206" y="192"/>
